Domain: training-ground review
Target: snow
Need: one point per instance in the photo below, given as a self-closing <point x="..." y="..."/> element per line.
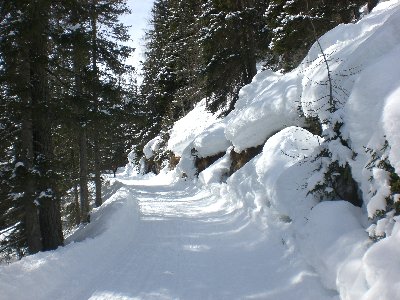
<point x="335" y="240"/>
<point x="258" y="234"/>
<point x="211" y="141"/>
<point x="186" y="129"/>
<point x="266" y="105"/>
<point x="381" y="263"/>
<point x="151" y="147"/>
<point x="218" y="171"/>
<point x="378" y="200"/>
<point x="390" y="117"/>
<point x="370" y="110"/>
<point x="154" y="240"/>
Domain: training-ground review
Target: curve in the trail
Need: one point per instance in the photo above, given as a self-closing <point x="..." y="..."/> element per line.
<point x="176" y="241"/>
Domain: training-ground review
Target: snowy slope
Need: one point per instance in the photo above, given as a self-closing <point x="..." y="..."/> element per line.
<point x="364" y="61"/>
<point x="260" y="235"/>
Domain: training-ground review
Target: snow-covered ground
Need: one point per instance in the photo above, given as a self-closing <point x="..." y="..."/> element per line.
<point x="253" y="237"/>
<point x="157" y="240"/>
<point x="258" y="234"/>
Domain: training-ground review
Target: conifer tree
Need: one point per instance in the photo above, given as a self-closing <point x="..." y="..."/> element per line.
<point x="24" y="53"/>
<point x="231" y="36"/>
<point x="61" y="64"/>
<point x="290" y="29"/>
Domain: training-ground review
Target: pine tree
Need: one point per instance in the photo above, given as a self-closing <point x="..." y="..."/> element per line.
<point x="290" y="29"/>
<point x="230" y="36"/>
<point x="92" y="38"/>
<point x="24" y="53"/>
<point x="61" y="74"/>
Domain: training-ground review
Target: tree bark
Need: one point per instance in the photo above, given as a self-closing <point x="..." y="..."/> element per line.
<point x="50" y="223"/>
<point x="26" y="156"/>
<point x="32" y="227"/>
<point x="31" y="216"/>
<point x="97" y="173"/>
<point x="76" y="205"/>
<point x="49" y="203"/>
<point x="96" y="148"/>
<point x="83" y="175"/>
<point x="80" y="104"/>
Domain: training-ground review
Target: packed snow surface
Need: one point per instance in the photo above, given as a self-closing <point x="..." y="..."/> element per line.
<point x="157" y="240"/>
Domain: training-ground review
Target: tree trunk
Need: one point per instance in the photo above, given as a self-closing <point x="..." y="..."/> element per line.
<point x="96" y="148"/>
<point x="76" y="205"/>
<point x="50" y="223"/>
<point x="83" y="174"/>
<point x="81" y="106"/>
<point x="77" y="211"/>
<point x="97" y="175"/>
<point x="31" y="216"/>
<point x="32" y="227"/>
<point x="49" y="208"/>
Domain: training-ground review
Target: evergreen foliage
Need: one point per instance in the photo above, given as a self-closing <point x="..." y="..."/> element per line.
<point x="231" y="38"/>
<point x="291" y="33"/>
<point x="64" y="91"/>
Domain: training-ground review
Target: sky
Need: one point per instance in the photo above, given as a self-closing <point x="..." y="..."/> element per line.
<point x="138" y="21"/>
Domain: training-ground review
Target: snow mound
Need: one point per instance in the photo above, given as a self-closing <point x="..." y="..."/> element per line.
<point x="218" y="171"/>
<point x="391" y="117"/>
<point x="283" y="169"/>
<point x="381" y="264"/>
<point x="266" y="105"/>
<point x="64" y="273"/>
<point x="211" y="141"/>
<point x="187" y="128"/>
<point x="151" y="147"/>
<point x="373" y="106"/>
<point x="334" y="241"/>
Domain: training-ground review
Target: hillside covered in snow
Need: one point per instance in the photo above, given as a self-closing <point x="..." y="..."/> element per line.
<point x="293" y="195"/>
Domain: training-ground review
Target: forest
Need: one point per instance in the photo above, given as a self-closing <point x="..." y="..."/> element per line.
<point x="71" y="108"/>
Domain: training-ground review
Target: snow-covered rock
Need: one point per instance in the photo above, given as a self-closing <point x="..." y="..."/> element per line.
<point x="151" y="147"/>
<point x="187" y="128"/>
<point x="266" y="105"/>
<point x="211" y="141"/>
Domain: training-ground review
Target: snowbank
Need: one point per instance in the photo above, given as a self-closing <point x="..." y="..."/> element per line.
<point x="151" y="147"/>
<point x="391" y="117"/>
<point x="266" y="105"/>
<point x="366" y="103"/>
<point x="64" y="273"/>
<point x="211" y="141"/>
<point x="381" y="264"/>
<point x="187" y="128"/>
<point x="218" y="171"/>
<point x="334" y="242"/>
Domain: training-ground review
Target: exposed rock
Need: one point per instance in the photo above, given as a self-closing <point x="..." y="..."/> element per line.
<point x="204" y="162"/>
<point x="240" y="159"/>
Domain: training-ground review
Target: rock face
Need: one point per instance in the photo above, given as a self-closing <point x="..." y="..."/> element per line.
<point x="202" y="163"/>
<point x="240" y="159"/>
<point x="347" y="189"/>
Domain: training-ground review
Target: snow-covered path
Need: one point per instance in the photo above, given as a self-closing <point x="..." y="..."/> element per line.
<point x="152" y="241"/>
